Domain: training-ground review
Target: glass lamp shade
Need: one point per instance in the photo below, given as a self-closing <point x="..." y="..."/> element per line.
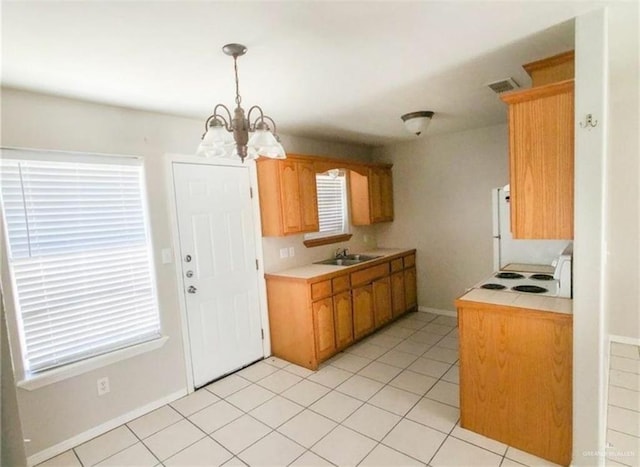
<point x="266" y="144"/>
<point x="417" y="122"/>
<point x="262" y="138"/>
<point x="274" y="152"/>
<point x="215" y="142"/>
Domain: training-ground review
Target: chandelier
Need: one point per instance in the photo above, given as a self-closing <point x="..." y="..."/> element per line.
<point x="241" y="135"/>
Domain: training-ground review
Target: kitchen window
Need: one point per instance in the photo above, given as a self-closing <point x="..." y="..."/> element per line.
<point x="331" y="189"/>
<point x="79" y="253"/>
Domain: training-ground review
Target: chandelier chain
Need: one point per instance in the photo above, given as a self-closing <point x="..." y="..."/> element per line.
<point x="235" y="68"/>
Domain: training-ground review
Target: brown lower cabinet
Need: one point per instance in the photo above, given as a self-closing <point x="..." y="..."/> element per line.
<point x="343" y="319"/>
<point x="516" y="377"/>
<point x="323" y="327"/>
<point x="363" y="321"/>
<point x="312" y="319"/>
<point x="382" y="301"/>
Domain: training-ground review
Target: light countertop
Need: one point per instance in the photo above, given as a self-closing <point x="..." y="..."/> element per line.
<point x="520" y="300"/>
<point x="311" y="271"/>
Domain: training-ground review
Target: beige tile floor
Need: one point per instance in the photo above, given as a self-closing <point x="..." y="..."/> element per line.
<point x="623" y="409"/>
<point x="390" y="400"/>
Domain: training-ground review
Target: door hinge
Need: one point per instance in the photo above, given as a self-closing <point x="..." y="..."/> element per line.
<point x="262" y="333"/>
<point x="257" y="267"/>
<point x="251" y="192"/>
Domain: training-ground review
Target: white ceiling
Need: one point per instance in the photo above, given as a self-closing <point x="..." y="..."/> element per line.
<point x="343" y="71"/>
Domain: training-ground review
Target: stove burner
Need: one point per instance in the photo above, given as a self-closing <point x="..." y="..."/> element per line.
<point x="541" y="277"/>
<point x="529" y="289"/>
<point x="493" y="286"/>
<point x="509" y="275"/>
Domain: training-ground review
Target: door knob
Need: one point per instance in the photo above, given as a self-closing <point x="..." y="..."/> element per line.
<point x="191" y="289"/>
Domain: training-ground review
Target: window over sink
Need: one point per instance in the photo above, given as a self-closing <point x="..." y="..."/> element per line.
<point x="333" y="215"/>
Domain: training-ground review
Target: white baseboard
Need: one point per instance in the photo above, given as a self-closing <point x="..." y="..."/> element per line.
<point x="438" y="311"/>
<point x="624" y="340"/>
<point x="74" y="441"/>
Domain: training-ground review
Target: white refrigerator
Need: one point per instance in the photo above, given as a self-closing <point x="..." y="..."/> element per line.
<point x="507" y="250"/>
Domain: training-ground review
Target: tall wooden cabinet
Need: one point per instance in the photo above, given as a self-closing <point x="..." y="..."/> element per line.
<point x="541" y="161"/>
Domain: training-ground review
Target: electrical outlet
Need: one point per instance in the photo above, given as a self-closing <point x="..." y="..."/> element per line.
<point x="292" y="251"/>
<point x="284" y="252"/>
<point x="103" y="386"/>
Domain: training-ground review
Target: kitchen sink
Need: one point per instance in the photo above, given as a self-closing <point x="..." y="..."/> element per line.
<point x="348" y="260"/>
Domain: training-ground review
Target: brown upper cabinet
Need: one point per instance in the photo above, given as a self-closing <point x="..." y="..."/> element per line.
<point x="288" y="196"/>
<point x="551" y="69"/>
<point x="541" y="164"/>
<point x="371" y="196"/>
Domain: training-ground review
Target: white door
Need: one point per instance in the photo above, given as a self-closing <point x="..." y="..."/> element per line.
<point x="220" y="278"/>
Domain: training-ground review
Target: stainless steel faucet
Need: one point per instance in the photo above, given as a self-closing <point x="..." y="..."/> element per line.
<point x="341" y="253"/>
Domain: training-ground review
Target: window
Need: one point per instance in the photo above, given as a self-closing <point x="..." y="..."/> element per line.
<point x="332" y="205"/>
<point x="79" y="254"/>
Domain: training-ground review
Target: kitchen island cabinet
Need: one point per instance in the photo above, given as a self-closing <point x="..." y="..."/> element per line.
<point x="516" y="374"/>
<point x="318" y="310"/>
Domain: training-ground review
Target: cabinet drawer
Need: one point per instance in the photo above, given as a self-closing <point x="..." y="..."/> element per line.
<point x="396" y="265"/>
<point x="367" y="275"/>
<point x="409" y="261"/>
<point x="320" y="290"/>
<point x="341" y="283"/>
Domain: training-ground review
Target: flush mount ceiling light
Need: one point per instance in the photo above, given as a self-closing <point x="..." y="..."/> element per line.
<point x="217" y="141"/>
<point x="417" y="122"/>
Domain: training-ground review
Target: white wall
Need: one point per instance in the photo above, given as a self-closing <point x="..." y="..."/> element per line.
<point x="623" y="196"/>
<point x="589" y="262"/>
<point x="55" y="413"/>
<point x="442" y="197"/>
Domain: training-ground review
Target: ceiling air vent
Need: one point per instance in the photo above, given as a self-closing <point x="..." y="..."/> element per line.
<point x="503" y="85"/>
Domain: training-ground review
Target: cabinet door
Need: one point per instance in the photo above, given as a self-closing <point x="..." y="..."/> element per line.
<point x="397" y="294"/>
<point x="541" y="163"/>
<point x="363" y="321"/>
<point x="410" y="292"/>
<point x="386" y="194"/>
<point x="308" y="197"/>
<point x="375" y="195"/>
<point x="343" y="316"/>
<point x="290" y="196"/>
<point x="324" y="329"/>
<point x="382" y="300"/>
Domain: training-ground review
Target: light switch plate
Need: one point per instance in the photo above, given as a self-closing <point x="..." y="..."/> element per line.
<point x="284" y="252"/>
<point x="292" y="251"/>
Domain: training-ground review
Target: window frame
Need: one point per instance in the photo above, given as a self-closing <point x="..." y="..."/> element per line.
<point x="33" y="380"/>
<point x="324" y="238"/>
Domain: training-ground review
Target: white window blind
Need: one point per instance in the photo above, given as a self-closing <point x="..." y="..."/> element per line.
<point x="79" y="251"/>
<point x="332" y="212"/>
